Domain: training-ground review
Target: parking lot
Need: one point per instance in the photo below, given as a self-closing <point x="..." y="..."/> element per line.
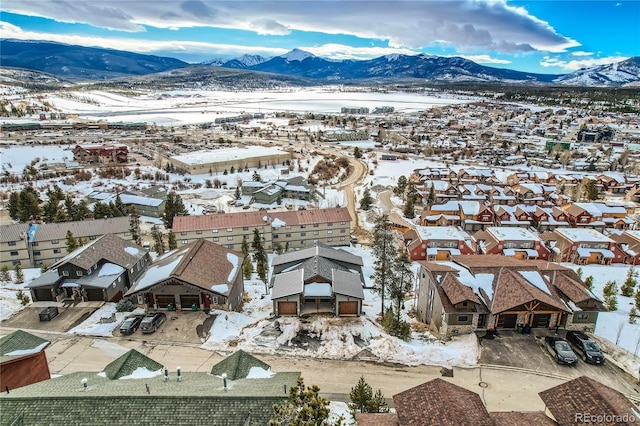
<point x="528" y="351"/>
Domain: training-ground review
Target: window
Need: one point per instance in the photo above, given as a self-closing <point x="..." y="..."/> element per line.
<point x="56" y="251"/>
<point x="343" y="223"/>
<point x="183" y="234"/>
<point x="14" y="253"/>
<point x="303" y="226"/>
<point x="92" y="237"/>
<point x="287" y="227"/>
<point x="582" y="316"/>
<point x="185" y="241"/>
<point x="34" y="244"/>
<point x="55" y="241"/>
<point x="329" y="223"/>
<point x="230" y="238"/>
<point x="245" y="228"/>
<point x="229" y="229"/>
<point x="230" y="246"/>
<point x="288" y="236"/>
<point x="12" y="243"/>
<point x="463" y="318"/>
<point x="79" y="273"/>
<point x="276" y="236"/>
<point x="315" y="232"/>
<point x="343" y="238"/>
<point x="214" y="231"/>
<point x="36" y="253"/>
<point x="15" y="262"/>
<point x="329" y="239"/>
<point x="315" y="225"/>
<point x="65" y="273"/>
<point x="329" y="231"/>
<point x="215" y="239"/>
<point x="343" y="231"/>
<point x="303" y="234"/>
<point x="199" y="232"/>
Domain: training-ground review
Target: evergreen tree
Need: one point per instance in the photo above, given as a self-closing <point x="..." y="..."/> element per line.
<point x="171" y="241"/>
<point x="591" y="190"/>
<point x="81" y="210"/>
<point x="50" y="211"/>
<point x="579" y="272"/>
<point x="247" y="266"/>
<point x="588" y="282"/>
<point x="173" y="207"/>
<point x="409" y="207"/>
<point x="134" y="225"/>
<point x="100" y="210"/>
<point x="402" y="281"/>
<point x="384" y="254"/>
<point x="72" y="243"/>
<point x="629" y="284"/>
<point x="636" y="299"/>
<point x="632" y="315"/>
<point x="29" y="204"/>
<point x="262" y="261"/>
<point x="120" y="206"/>
<point x="61" y="216"/>
<point x="432" y="195"/>
<point x="363" y="400"/>
<point x="13" y="205"/>
<point x="357" y="152"/>
<point x="366" y="201"/>
<point x="237" y="194"/>
<point x="401" y="187"/>
<point x="256" y="177"/>
<point x="19" y="275"/>
<point x="158" y="244"/>
<point x="610" y="292"/>
<point x="114" y="210"/>
<point x="305" y="407"/>
<point x="4" y="274"/>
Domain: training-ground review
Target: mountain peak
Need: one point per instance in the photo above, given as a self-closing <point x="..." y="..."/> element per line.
<point x="297" y="55"/>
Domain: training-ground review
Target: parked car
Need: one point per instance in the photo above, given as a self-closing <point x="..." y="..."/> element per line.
<point x="584" y="345"/>
<point x="152" y="321"/>
<point x="131" y="324"/>
<point x="353" y="240"/>
<point x="561" y="350"/>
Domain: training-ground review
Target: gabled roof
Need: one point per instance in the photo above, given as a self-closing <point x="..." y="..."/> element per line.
<point x="110" y="248"/>
<point x="192" y="264"/>
<point x="440" y="403"/>
<point x="573" y="289"/>
<point x="585" y="395"/>
<point x="13" y="232"/>
<point x="287" y="284"/>
<point x="458" y="292"/>
<point x="19" y="344"/>
<point x="82" y="228"/>
<point x="318" y="250"/>
<point x="511" y="289"/>
<point x="238" y="365"/>
<point x="347" y="284"/>
<point x="126" y="364"/>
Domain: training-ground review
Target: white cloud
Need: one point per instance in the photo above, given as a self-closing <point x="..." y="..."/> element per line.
<point x="342" y="51"/>
<point x="575" y="65"/>
<point x="486" y="24"/>
<point x="141" y="46"/>
<point x="581" y="53"/>
<point x="485" y="59"/>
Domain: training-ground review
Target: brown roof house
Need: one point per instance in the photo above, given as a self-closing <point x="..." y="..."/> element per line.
<point x="440" y="403"/>
<point x="198" y="275"/>
<point x="22" y="360"/>
<point x="102" y="270"/>
<point x="584" y="401"/>
<point x="317" y="279"/>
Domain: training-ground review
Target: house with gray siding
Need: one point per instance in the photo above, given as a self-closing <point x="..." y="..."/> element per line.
<point x="319" y="279"/>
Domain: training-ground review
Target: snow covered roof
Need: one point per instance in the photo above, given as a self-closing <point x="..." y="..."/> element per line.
<point x="226" y="155"/>
<point x="583" y="235"/>
<point x="504" y="233"/>
<point x="441" y="233"/>
<point x="19" y="344"/>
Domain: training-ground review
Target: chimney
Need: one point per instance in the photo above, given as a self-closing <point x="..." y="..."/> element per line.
<point x="179" y="374"/>
<point x="224" y="380"/>
<point x="85" y="383"/>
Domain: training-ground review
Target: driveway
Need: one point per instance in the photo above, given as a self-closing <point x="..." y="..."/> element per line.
<point x="528" y="351"/>
<point x="69" y="317"/>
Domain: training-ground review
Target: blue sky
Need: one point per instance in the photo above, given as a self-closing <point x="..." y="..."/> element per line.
<point x="550" y="36"/>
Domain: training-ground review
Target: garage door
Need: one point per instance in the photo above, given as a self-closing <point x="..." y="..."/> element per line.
<point x="43" y="294"/>
<point x="163" y="300"/>
<point x="186" y="300"/>
<point x="348" y="308"/>
<point x="287" y="308"/>
<point x="541" y="320"/>
<point x="507" y="321"/>
<point x="94" y="294"/>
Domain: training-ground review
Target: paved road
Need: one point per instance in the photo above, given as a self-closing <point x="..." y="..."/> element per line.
<point x="502" y="390"/>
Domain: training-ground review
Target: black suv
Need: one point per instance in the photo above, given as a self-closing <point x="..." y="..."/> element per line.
<point x="131" y="324"/>
<point x="586" y="346"/>
<point x="561" y="350"/>
<point x="152" y="321"/>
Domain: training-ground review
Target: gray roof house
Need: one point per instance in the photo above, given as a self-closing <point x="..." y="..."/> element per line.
<point x="317" y="280"/>
<point x="102" y="270"/>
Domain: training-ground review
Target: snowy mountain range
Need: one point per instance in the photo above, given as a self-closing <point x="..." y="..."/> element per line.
<point x="87" y="63"/>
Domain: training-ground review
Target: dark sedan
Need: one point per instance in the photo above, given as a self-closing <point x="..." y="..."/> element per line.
<point x="131" y="324"/>
<point x="561" y="350"/>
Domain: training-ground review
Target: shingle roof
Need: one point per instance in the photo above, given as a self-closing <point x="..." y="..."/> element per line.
<point x="19" y="344"/>
<point x="238" y="365"/>
<point x="128" y="363"/>
<point x="574" y="290"/>
<point x="585" y="395"/>
<point x="81" y="229"/>
<point x="440" y="403"/>
<point x="201" y="263"/>
<point x="13" y="232"/>
<point x="199" y="399"/>
<point x="109" y="247"/>
<point x="347" y="283"/>
<point x="458" y="292"/>
<point x="511" y="290"/>
<point x="318" y="250"/>
<point x="511" y="418"/>
<point x="307" y="217"/>
<point x="377" y="419"/>
<point x="287" y="284"/>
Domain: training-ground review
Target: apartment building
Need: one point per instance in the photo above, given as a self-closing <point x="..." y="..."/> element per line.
<point x="14" y="247"/>
<point x="288" y="229"/>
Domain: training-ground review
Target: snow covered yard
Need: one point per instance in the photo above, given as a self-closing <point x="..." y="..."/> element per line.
<point x="614" y="326"/>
